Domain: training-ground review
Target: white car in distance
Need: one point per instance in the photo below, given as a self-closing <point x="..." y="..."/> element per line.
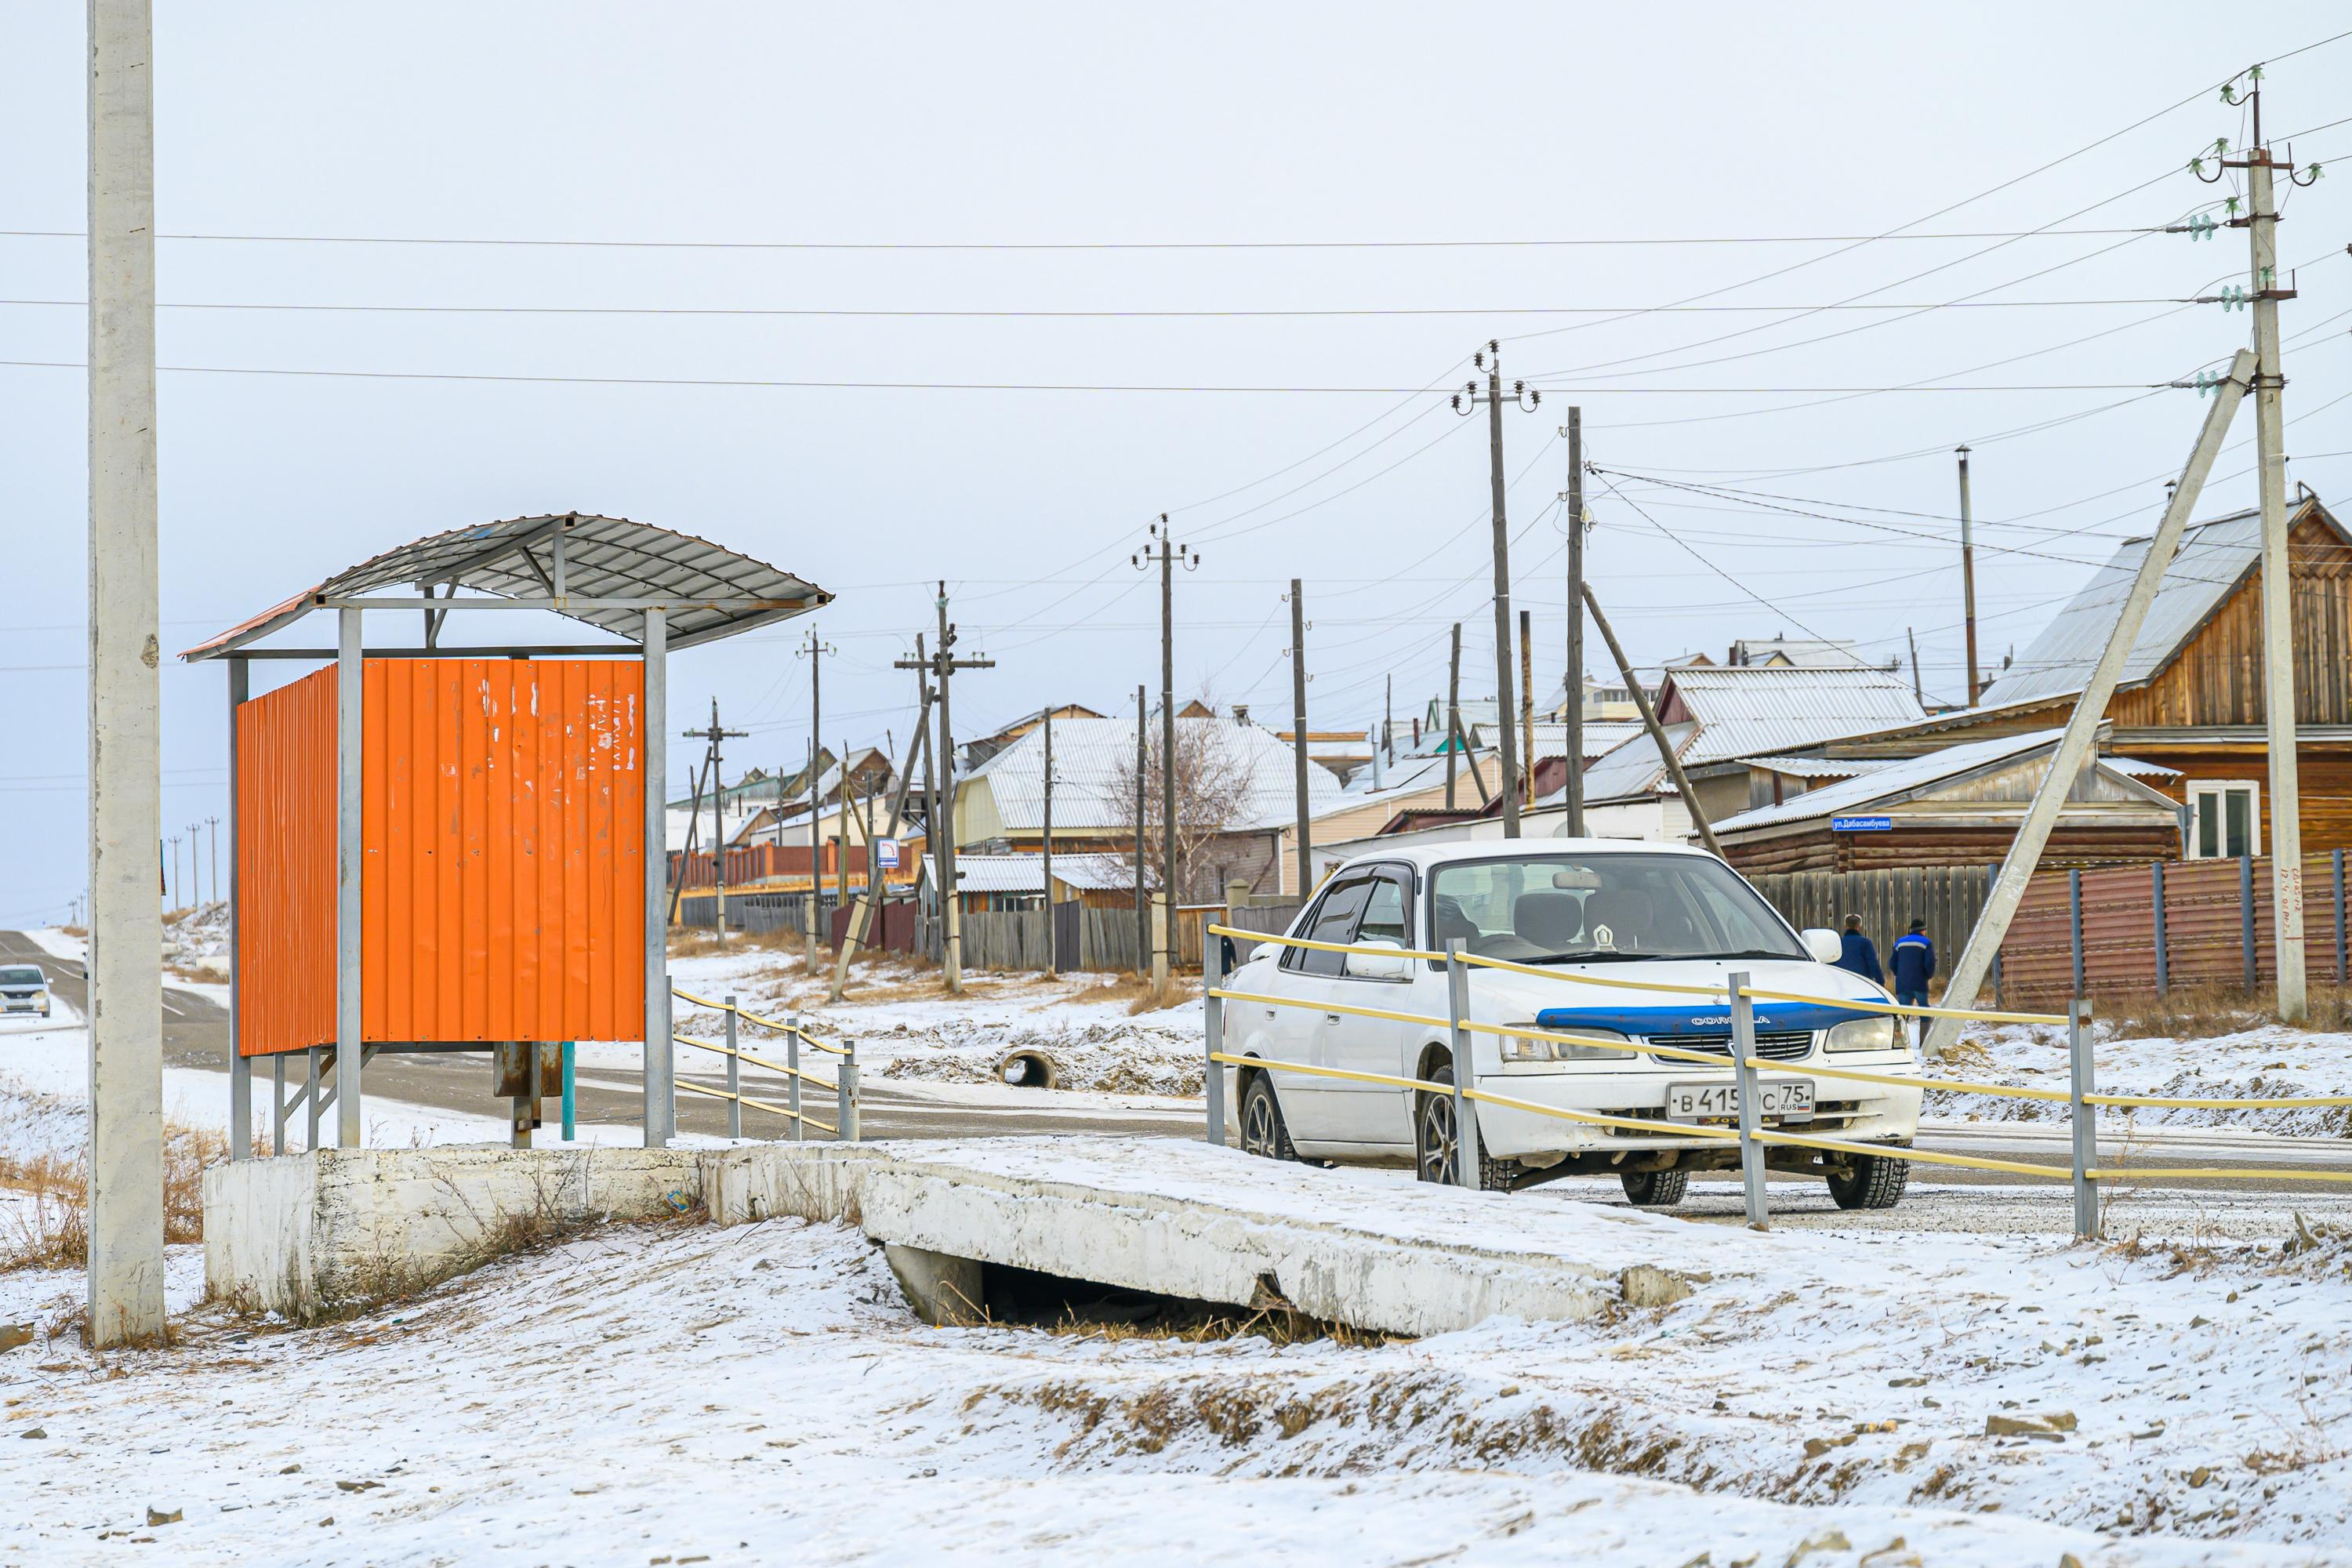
<point x="24" y="989"/>
<point x="1621" y="911"/>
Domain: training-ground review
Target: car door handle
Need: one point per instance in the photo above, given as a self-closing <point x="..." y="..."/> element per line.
<point x="1330" y="1017"/>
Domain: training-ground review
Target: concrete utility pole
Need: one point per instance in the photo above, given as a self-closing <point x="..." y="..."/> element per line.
<point x="2278" y="594"/>
<point x="1465" y="401"/>
<point x="814" y="653"/>
<point x="212" y="828"/>
<point x="1298" y="731"/>
<point x="2082" y="725"/>
<point x="1142" y="911"/>
<point x="714" y="735"/>
<point x="943" y="664"/>
<point x="1650" y="721"/>
<point x="1969" y="580"/>
<point x="126" y="814"/>
<point x="1052" y="948"/>
<point x="1574" y="431"/>
<point x="1163" y="958"/>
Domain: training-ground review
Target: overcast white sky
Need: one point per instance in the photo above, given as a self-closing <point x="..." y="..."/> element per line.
<point x="916" y="126"/>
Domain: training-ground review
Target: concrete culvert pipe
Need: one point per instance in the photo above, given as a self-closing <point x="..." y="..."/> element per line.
<point x="1029" y="1070"/>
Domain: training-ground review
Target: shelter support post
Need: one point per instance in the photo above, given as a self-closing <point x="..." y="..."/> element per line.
<point x="241" y="1066"/>
<point x="1212" y="1016"/>
<point x="278" y="1102"/>
<point x="310" y="1102"/>
<point x="661" y="1101"/>
<point x="349" y="738"/>
<point x="1751" y="1107"/>
<point x="571" y="1088"/>
<point x="2082" y="725"/>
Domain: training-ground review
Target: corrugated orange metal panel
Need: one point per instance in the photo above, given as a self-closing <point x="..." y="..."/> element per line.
<point x="504" y="884"/>
<point x="286" y="868"/>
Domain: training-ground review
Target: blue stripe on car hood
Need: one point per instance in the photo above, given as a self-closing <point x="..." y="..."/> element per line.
<point x="1770" y="1017"/>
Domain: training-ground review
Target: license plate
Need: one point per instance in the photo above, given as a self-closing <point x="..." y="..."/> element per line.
<point x="1789" y="1100"/>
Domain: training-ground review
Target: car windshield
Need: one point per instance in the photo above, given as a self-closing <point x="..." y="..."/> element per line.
<point x="1572" y="907"/>
<point x="20" y="977"/>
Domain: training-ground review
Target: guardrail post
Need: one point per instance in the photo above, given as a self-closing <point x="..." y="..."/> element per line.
<point x="792" y="1077"/>
<point x="2075" y="906"/>
<point x="2163" y="949"/>
<point x="1751" y="1152"/>
<point x="845" y="1094"/>
<point x="570" y="1096"/>
<point x="734" y="1076"/>
<point x="1457" y="1019"/>
<point x="1212" y="1015"/>
<point x="2082" y="1082"/>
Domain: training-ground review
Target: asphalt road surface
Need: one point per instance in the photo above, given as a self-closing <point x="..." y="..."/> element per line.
<point x="195" y="1035"/>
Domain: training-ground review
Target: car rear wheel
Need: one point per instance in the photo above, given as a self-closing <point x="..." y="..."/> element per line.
<point x="1435" y="1139"/>
<point x="1655" y="1189"/>
<point x="1871" y="1182"/>
<point x="1264" y="1132"/>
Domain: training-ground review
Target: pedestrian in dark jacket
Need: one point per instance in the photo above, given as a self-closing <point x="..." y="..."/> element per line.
<point x="1914" y="960"/>
<point x="1859" y="955"/>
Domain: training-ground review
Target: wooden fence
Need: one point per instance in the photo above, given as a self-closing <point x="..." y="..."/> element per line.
<point x="2215" y="928"/>
<point x="1949" y="897"/>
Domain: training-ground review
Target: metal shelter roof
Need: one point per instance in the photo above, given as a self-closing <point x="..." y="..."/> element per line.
<point x="603" y="558"/>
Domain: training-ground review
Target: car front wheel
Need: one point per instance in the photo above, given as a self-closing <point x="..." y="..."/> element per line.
<point x="1263" y="1131"/>
<point x="1870" y="1182"/>
<point x="1655" y="1189"/>
<point x="1435" y="1140"/>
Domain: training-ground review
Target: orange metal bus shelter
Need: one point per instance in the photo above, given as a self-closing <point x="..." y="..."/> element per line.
<point x="446" y="848"/>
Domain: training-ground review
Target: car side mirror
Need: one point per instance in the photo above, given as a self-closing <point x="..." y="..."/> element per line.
<point x="1260" y="950"/>
<point x="1826" y="946"/>
<point x="1392" y="965"/>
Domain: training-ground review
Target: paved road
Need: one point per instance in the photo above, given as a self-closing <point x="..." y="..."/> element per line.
<point x="195" y="1035"/>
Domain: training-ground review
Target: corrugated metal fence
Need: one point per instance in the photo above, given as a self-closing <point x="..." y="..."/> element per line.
<point x="1949" y="897"/>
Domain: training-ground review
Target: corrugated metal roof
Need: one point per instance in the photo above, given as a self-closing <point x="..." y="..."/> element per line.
<point x="1744" y="711"/>
<point x="1821" y="767"/>
<point x="1094" y="774"/>
<point x="2214" y="558"/>
<point x="1633" y="768"/>
<point x="604" y="558"/>
<point x="1897" y="782"/>
<point x="1026" y="873"/>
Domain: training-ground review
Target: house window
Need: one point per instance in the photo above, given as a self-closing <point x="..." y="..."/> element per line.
<point x="2224" y="820"/>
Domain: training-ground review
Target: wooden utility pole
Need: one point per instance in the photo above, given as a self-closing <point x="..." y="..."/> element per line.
<point x="1298" y="733"/>
<point x="1465" y="401"/>
<point x="943" y="665"/>
<point x="861" y="926"/>
<point x="713" y="736"/>
<point x="1453" y="712"/>
<point x="2082" y="731"/>
<point x="2278" y="596"/>
<point x="1650" y="721"/>
<point x="693" y="826"/>
<point x="1525" y="783"/>
<point x="1574" y="431"/>
<point x="1969" y="579"/>
<point x="814" y="653"/>
<point x="1919" y="694"/>
<point x="1163" y="958"/>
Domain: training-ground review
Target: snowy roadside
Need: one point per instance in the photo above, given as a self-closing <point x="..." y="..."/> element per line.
<point x="760" y="1394"/>
<point x="2269" y="1062"/>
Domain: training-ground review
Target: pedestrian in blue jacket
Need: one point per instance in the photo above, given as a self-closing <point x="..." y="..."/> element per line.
<point x="1914" y="958"/>
<point x="1859" y="956"/>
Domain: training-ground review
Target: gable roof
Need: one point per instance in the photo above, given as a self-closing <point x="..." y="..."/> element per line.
<point x="1896" y="782"/>
<point x="1633" y="768"/>
<point x="2216" y="558"/>
<point x="1744" y="710"/>
<point x="1093" y="756"/>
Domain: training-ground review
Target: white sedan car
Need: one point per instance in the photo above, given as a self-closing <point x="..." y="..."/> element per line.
<point x="1612" y="909"/>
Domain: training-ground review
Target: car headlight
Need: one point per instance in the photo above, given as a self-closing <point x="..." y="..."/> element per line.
<point x="1516" y="1049"/>
<point x="1878" y="1034"/>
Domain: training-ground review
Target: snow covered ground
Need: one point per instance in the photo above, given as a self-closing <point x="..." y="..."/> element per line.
<point x="760" y="1394"/>
<point x="2269" y="1062"/>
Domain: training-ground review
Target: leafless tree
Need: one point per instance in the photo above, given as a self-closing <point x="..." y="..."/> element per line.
<point x="1211" y="786"/>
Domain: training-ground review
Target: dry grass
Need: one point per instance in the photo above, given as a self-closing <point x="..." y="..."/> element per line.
<point x="50" y="1221"/>
<point x="2194" y="1012"/>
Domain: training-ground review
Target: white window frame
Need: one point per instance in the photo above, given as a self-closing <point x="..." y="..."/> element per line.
<point x="2218" y="791"/>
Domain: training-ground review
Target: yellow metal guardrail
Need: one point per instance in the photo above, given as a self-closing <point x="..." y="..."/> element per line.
<point x="842" y="1084"/>
<point x="2084" y="1171"/>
